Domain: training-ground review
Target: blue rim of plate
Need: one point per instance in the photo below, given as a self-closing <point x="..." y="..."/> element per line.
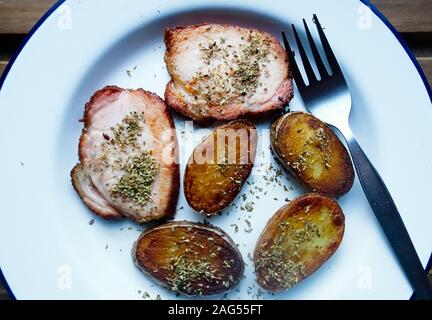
<point x="60" y="2"/>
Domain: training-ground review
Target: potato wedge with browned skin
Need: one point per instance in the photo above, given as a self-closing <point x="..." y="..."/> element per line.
<point x="297" y="240"/>
<point x="311" y="151"/>
<point x="219" y="166"/>
<point x="189" y="258"/>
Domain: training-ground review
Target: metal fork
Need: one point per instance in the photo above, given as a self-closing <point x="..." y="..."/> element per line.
<point x="330" y="100"/>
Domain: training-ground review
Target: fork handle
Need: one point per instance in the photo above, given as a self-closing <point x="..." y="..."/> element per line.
<point x="389" y="218"/>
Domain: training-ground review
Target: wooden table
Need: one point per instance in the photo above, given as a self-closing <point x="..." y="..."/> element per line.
<point x="412" y="18"/>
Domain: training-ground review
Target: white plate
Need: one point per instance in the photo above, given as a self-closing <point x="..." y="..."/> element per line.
<point x="48" y="249"/>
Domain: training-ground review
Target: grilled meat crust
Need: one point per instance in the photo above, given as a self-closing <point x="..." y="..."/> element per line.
<point x="225" y="72"/>
<point x="91" y="196"/>
<point x="103" y="163"/>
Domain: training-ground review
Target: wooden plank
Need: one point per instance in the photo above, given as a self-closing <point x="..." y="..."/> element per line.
<point x="2" y="66"/>
<point x="18" y="16"/>
<point x="3" y="293"/>
<point x="407" y="15"/>
<point x="426" y="64"/>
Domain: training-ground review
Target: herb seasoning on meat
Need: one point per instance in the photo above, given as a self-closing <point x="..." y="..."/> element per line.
<point x="127" y="132"/>
<point x="136" y="183"/>
<point x="230" y="75"/>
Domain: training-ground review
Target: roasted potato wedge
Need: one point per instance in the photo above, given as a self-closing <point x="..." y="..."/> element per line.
<point x="311" y="151"/>
<point x="189" y="258"/>
<point x="219" y="166"/>
<point x="297" y="240"/>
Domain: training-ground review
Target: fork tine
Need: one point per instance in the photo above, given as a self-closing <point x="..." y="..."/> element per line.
<point x="294" y="67"/>
<point x="319" y="62"/>
<point x="327" y="48"/>
<point x="306" y="63"/>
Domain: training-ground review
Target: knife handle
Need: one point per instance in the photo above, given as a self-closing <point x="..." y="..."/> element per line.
<point x="389" y="218"/>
